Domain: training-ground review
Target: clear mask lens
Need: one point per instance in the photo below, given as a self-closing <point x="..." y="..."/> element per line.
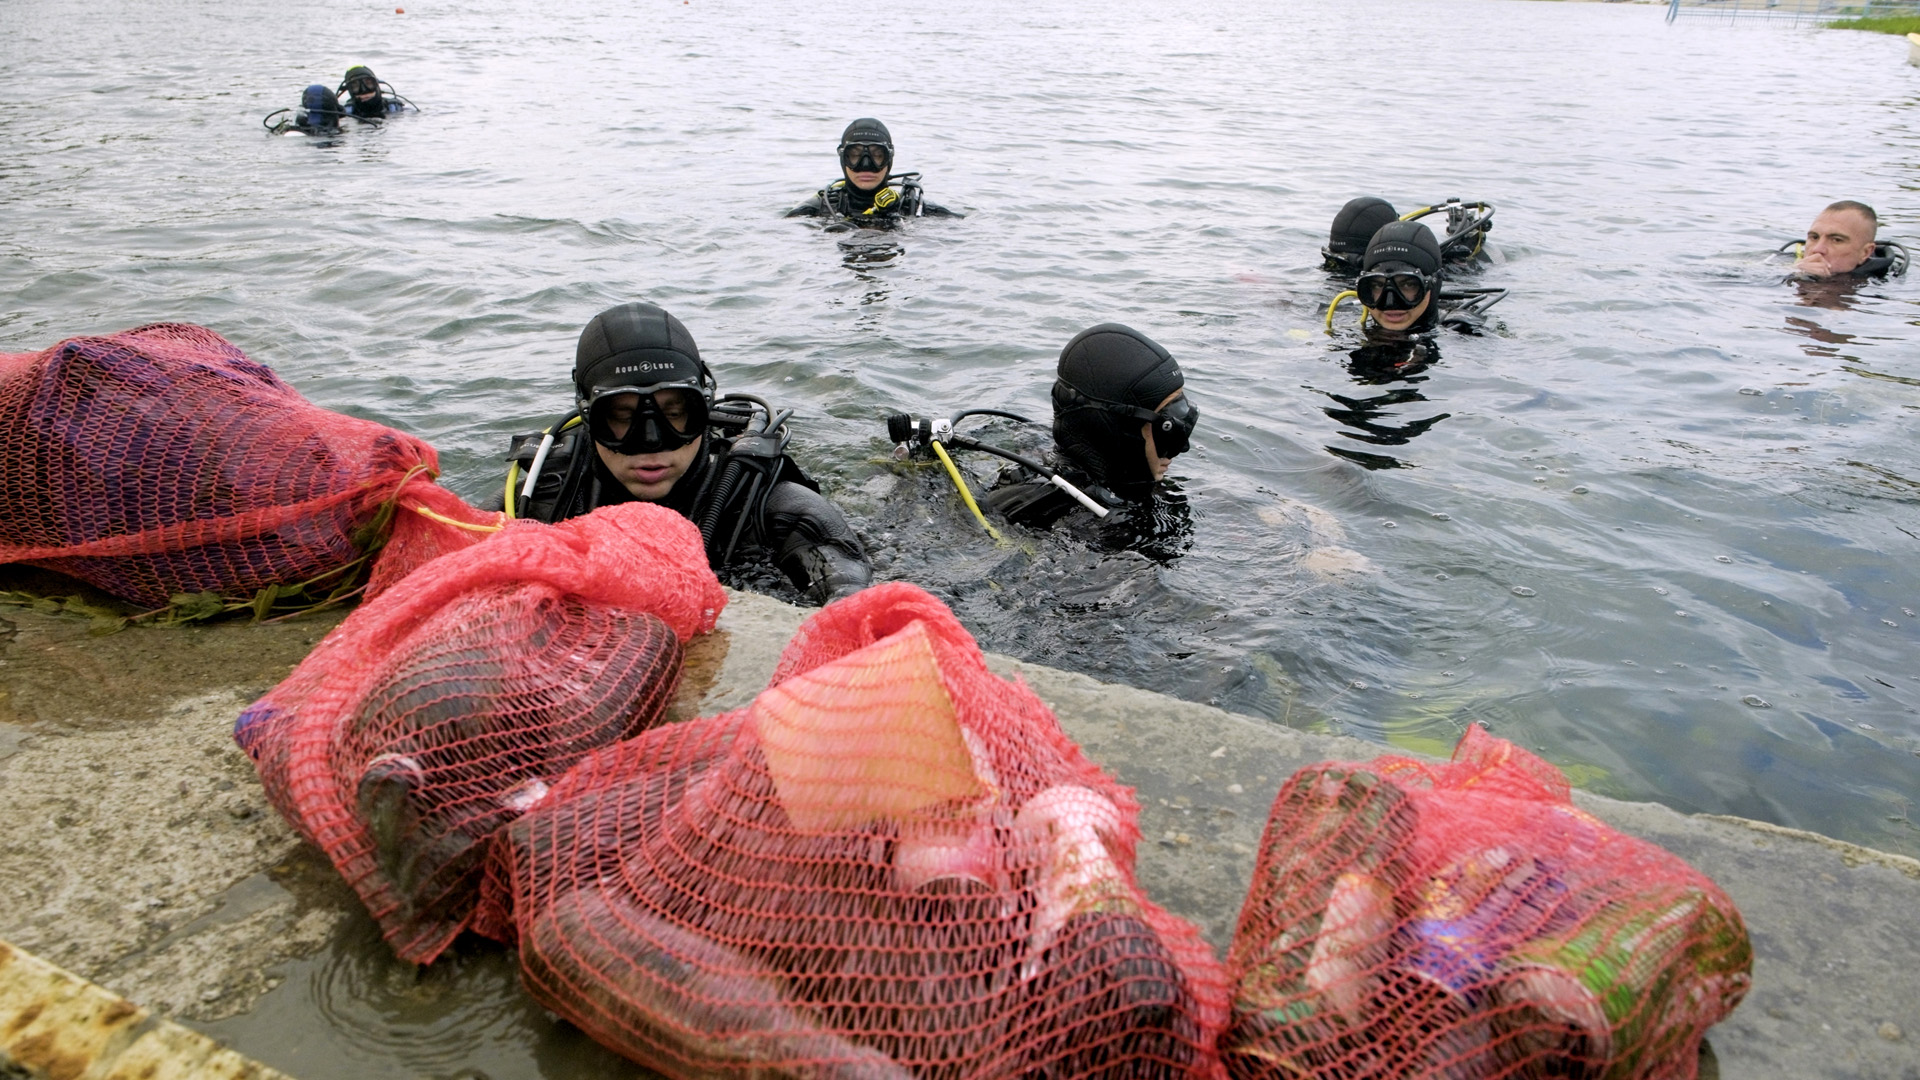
<point x="640" y="423"/>
<point x="1392" y="292"/>
<point x="865" y="157"/>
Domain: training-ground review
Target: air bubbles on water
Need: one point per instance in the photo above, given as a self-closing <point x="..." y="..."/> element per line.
<point x="1539" y="479"/>
<point x="1443" y="576"/>
<point x="1889" y="622"/>
<point x="1579" y="489"/>
<point x="1226" y="438"/>
<point x="1722" y="558"/>
<point x="1682" y="614"/>
<point x="1522" y="590"/>
<point x="1750" y="391"/>
<point x="1659" y="590"/>
<point x="1389" y="525"/>
<point x="1449" y="517"/>
<point x="1755" y="701"/>
<point x="1908" y="612"/>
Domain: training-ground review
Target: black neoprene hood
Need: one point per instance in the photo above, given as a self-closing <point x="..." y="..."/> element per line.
<point x="1405" y="242"/>
<point x="1103" y="366"/>
<point x="866" y="130"/>
<point x="1356" y="223"/>
<point x="635" y="344"/>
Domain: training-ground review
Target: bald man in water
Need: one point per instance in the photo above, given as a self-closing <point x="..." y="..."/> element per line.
<point x="1839" y="242"/>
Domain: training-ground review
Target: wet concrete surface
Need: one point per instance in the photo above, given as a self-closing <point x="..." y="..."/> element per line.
<point x="137" y="849"/>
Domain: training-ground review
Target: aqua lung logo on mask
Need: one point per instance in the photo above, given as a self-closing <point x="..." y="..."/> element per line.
<point x="628" y="369"/>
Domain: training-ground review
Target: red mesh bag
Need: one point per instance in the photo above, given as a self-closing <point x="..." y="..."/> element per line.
<point x="441" y="710"/>
<point x="161" y="461"/>
<point x="892" y="864"/>
<point x="1466" y="921"/>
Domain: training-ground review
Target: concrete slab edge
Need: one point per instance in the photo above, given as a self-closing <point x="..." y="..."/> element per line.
<point x="55" y="1025"/>
<point x="1850" y="854"/>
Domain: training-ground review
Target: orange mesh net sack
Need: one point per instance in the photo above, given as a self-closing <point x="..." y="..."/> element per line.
<point x="892" y="864"/>
<point x="161" y="461"/>
<point x="1466" y="921"/>
<point x="442" y="710"/>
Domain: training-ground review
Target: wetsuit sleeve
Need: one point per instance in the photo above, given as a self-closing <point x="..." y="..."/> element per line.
<point x="813" y="544"/>
<point x="813" y="207"/>
<point x="1034" y="503"/>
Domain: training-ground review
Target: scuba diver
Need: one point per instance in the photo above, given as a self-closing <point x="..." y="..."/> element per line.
<point x="648" y="425"/>
<point x="867" y="193"/>
<point x="1120" y="417"/>
<point x="1464" y="245"/>
<point x="1841" y="244"/>
<point x="319" y="114"/>
<point x="366" y="97"/>
<point x="1404" y="302"/>
<point x="1401" y="291"/>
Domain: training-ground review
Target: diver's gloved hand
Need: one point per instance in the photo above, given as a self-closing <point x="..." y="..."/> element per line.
<point x="1467" y="322"/>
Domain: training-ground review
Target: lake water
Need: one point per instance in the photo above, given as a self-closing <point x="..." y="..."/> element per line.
<point x="1661" y="525"/>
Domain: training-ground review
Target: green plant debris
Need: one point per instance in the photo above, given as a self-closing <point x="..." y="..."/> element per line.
<point x="1881" y="24"/>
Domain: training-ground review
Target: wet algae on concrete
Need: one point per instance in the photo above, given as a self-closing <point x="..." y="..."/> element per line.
<point x="137" y="850"/>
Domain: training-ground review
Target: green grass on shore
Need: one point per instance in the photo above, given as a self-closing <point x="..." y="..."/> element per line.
<point x="1886" y="24"/>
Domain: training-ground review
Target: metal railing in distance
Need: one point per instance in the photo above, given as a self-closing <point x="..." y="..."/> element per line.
<point x="1816" y="12"/>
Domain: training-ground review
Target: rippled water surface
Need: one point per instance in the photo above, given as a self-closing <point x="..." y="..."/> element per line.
<point x="1660" y="523"/>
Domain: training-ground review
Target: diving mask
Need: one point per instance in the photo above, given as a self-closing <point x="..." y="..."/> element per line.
<point x="866" y="157"/>
<point x="1400" y="291"/>
<point x="1173" y="427"/>
<point x="633" y="420"/>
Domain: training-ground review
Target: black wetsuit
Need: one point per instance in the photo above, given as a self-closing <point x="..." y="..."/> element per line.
<point x="772" y="511"/>
<point x="1157" y="524"/>
<point x="899" y="197"/>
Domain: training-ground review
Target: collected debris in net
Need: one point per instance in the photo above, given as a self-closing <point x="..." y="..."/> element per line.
<point x="442" y="709"/>
<point x="892" y="864"/>
<point x="161" y="465"/>
<point x="1466" y="921"/>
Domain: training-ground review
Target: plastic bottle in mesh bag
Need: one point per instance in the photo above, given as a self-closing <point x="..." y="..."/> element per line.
<point x="1466" y="921"/>
<point x="892" y="864"/>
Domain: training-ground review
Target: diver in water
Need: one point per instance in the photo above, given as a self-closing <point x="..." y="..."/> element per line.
<point x="648" y="425"/>
<point x="319" y="114"/>
<point x="1400" y="287"/>
<point x="367" y="98"/>
<point x="1841" y="243"/>
<point x="867" y="192"/>
<point x="1463" y="246"/>
<point x="1399" y="280"/>
<point x="1120" y="417"/>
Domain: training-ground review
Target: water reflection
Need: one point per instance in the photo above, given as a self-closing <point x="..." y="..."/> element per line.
<point x="864" y="248"/>
<point x="1826" y="339"/>
<point x="1833" y="294"/>
<point x="1384" y="362"/>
